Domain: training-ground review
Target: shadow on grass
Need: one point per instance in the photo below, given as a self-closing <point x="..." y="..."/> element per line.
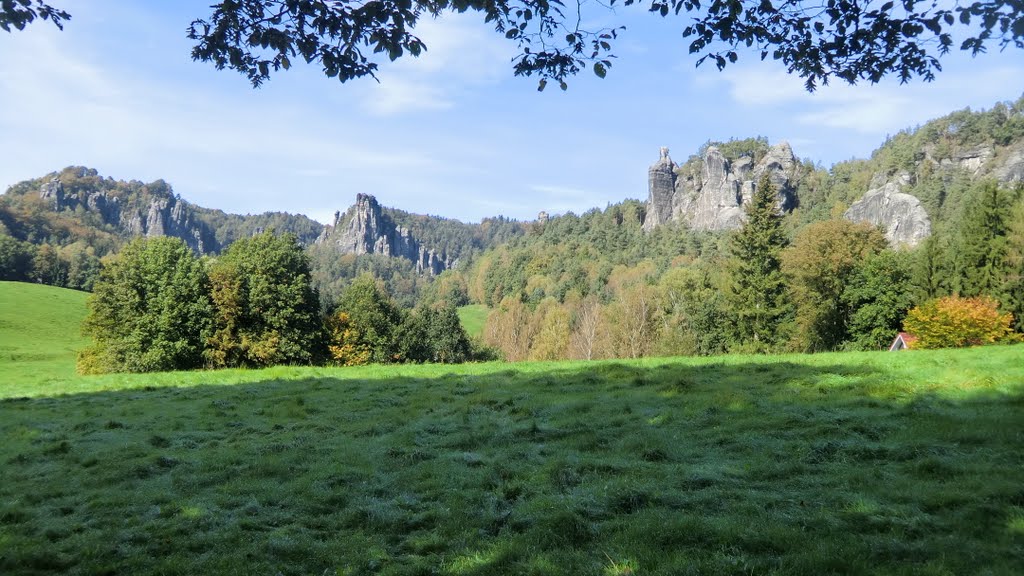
<point x="606" y="468"/>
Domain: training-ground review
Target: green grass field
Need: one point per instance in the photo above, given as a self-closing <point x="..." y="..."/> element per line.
<point x="39" y="333"/>
<point x="473" y="318"/>
<point x="869" y="463"/>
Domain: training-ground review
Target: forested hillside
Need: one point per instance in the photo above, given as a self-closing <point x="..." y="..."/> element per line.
<point x="55" y="229"/>
<point x="597" y="285"/>
<point x="742" y="247"/>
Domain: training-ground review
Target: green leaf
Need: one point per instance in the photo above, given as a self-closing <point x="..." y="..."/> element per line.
<point x="600" y="70"/>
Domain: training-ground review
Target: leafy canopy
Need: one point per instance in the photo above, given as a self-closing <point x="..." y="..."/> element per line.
<point x="150" y="310"/>
<point x="267" y="312"/>
<point x="852" y="40"/>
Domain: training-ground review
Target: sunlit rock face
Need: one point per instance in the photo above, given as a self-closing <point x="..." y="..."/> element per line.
<point x="163" y="215"/>
<point x="1011" y="169"/>
<point x="901" y="215"/>
<point x="712" y="197"/>
<point x="365" y="229"/>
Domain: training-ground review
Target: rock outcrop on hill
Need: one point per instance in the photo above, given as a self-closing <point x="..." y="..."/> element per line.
<point x="1011" y="169"/>
<point x="902" y="216"/>
<point x="365" y="229"/>
<point x="162" y="215"/>
<point x="711" y="195"/>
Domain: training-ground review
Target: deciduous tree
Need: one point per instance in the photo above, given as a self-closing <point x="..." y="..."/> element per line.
<point x="267" y="312"/>
<point x="954" y="322"/>
<point x="820" y="264"/>
<point x="372" y="318"/>
<point x="878" y="295"/>
<point x="552" y="331"/>
<point x="149" y="311"/>
<point x="585" y="328"/>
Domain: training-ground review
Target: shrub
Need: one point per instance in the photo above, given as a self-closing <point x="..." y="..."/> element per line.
<point x="954" y="322"/>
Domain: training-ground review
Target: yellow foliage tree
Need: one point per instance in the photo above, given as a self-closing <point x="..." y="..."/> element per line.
<point x="955" y="322"/>
<point x="346" y="346"/>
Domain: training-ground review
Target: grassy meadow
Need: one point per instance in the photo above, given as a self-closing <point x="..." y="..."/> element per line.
<point x="39" y="334"/>
<point x="473" y="318"/>
<point x="867" y="463"/>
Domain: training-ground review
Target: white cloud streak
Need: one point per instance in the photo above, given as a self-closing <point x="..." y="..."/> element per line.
<point x="461" y="54"/>
<point x="867" y="109"/>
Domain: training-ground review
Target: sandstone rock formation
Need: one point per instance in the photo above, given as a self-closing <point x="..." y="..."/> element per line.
<point x="164" y="215"/>
<point x="711" y="197"/>
<point x="1012" y="168"/>
<point x="972" y="160"/>
<point x="365" y="229"/>
<point x="901" y="215"/>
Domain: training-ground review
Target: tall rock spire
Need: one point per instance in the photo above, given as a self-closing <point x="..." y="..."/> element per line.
<point x="661" y="185"/>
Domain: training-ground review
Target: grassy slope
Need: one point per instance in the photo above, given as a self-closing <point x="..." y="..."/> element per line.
<point x="876" y="463"/>
<point x="39" y="334"/>
<point x="473" y="318"/>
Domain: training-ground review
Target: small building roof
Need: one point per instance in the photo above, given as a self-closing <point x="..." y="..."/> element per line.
<point x="903" y="341"/>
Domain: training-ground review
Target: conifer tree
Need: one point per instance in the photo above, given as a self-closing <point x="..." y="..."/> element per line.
<point x="1014" y="289"/>
<point x="931" y="273"/>
<point x="981" y="256"/>
<point x="758" y="288"/>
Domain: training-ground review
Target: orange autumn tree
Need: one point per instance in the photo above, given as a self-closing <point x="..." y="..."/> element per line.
<point x="954" y="322"/>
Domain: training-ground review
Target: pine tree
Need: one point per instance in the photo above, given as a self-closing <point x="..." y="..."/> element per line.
<point x="981" y="257"/>
<point x="1014" y="287"/>
<point x="931" y="273"/>
<point x="758" y="291"/>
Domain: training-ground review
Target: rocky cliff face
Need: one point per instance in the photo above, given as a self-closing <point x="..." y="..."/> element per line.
<point x="1011" y="168"/>
<point x="905" y="221"/>
<point x="365" y="229"/>
<point x="712" y="195"/>
<point x="902" y="216"/>
<point x="160" y="216"/>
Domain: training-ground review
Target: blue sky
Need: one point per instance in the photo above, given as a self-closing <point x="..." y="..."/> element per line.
<point x="452" y="133"/>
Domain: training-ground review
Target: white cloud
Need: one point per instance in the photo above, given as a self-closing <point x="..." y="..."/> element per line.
<point x="65" y="106"/>
<point x="462" y="53"/>
<point x="395" y="95"/>
<point x="867" y="109"/>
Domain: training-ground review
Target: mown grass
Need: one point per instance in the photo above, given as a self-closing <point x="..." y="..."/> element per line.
<point x="473" y="318"/>
<point x="874" y="463"/>
<point x="40" y="333"/>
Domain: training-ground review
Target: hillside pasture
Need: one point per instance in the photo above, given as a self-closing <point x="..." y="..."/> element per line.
<point x="473" y="317"/>
<point x="870" y="463"/>
<point x="40" y="335"/>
